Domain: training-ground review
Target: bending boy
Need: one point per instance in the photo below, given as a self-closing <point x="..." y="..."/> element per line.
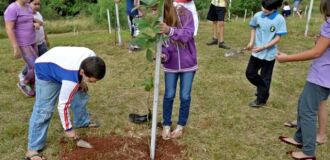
<point x="62" y="73"/>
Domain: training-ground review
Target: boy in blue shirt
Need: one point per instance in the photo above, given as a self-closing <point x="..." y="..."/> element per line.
<point x="267" y="28"/>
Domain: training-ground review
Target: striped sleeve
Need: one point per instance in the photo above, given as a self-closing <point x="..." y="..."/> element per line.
<point x="67" y="92"/>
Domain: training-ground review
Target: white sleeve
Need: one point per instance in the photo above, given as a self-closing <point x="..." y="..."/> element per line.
<point x="68" y="90"/>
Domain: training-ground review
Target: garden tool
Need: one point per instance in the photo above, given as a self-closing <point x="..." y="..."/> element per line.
<point x="235" y="53"/>
<point x="82" y="143"/>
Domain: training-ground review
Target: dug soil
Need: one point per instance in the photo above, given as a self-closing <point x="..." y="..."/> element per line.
<point x="114" y="147"/>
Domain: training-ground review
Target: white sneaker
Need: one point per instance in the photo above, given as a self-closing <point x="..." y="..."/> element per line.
<point x="21" y="77"/>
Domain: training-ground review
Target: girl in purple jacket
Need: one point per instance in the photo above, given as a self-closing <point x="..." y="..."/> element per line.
<point x="180" y="62"/>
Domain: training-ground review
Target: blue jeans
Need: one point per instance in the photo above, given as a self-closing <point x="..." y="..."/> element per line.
<point x="47" y="93"/>
<point x="308" y="106"/>
<point x="186" y="80"/>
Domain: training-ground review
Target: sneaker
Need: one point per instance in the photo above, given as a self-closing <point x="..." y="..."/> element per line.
<point x="214" y="41"/>
<point x="256" y="104"/>
<point x="223" y="45"/>
<point x="166" y="134"/>
<point x="93" y="124"/>
<point x="26" y="89"/>
<point x="177" y="133"/>
<point x="21" y="77"/>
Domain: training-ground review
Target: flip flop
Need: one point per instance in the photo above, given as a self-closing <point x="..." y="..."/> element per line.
<point x="282" y="138"/>
<point x="290" y="124"/>
<point x="304" y="158"/>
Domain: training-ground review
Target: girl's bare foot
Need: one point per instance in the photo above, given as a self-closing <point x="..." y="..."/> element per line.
<point x="321" y="139"/>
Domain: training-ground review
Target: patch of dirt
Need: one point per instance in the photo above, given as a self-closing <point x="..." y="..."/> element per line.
<point x="114" y="147"/>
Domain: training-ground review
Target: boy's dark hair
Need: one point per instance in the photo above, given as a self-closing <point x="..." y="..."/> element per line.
<point x="93" y="67"/>
<point x="271" y="4"/>
<point x="325" y="9"/>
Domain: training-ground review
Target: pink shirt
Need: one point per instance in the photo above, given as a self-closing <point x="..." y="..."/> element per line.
<point x="23" y="29"/>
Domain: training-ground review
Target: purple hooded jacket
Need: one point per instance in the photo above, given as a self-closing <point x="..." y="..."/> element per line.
<point x="181" y="54"/>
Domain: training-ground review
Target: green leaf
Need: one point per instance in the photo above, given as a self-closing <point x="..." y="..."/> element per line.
<point x="148" y="83"/>
<point x="149" y="2"/>
<point x="141" y="23"/>
<point x="155" y="22"/>
<point x="149" y="55"/>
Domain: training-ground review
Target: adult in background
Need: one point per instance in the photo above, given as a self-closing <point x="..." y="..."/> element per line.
<point x="216" y="14"/>
<point x="20" y="30"/>
<point x="62" y="74"/>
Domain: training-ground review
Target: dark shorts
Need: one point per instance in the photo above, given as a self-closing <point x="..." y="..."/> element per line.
<point x="216" y="13"/>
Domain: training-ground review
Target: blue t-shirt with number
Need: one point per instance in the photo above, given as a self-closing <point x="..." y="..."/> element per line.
<point x="267" y="27"/>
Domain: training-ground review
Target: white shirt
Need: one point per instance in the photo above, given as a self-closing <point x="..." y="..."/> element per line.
<point x="40" y="33"/>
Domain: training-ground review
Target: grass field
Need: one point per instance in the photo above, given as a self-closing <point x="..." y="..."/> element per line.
<point x="221" y="125"/>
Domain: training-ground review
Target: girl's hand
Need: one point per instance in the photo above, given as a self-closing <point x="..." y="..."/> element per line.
<point x="164" y="28"/>
<point x="36" y="26"/>
<point x="17" y="52"/>
<point x="163" y="57"/>
<point x="281" y="57"/>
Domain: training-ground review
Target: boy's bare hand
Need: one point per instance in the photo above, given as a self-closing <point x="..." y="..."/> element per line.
<point x="71" y="134"/>
<point x="281" y="57"/>
<point x="257" y="49"/>
<point x="83" y="86"/>
<point x="249" y="46"/>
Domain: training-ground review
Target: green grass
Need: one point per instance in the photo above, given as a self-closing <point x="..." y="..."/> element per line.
<point x="221" y="125"/>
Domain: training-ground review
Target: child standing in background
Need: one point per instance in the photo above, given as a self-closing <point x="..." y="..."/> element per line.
<point x="267" y="28"/>
<point x="316" y="89"/>
<point x="286" y="12"/>
<point x="20" y="30"/>
<point x="180" y="62"/>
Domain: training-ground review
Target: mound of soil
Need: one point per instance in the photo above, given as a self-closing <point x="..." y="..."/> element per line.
<point x="114" y="147"/>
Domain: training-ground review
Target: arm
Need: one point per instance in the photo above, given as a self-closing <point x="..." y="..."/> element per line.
<point x="68" y="89"/>
<point x="267" y="45"/>
<point x="252" y="37"/>
<point x="184" y="34"/>
<point x="12" y="38"/>
<point x="41" y="23"/>
<point x="316" y="52"/>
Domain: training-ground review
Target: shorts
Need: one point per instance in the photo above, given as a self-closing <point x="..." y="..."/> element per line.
<point x="216" y="13"/>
